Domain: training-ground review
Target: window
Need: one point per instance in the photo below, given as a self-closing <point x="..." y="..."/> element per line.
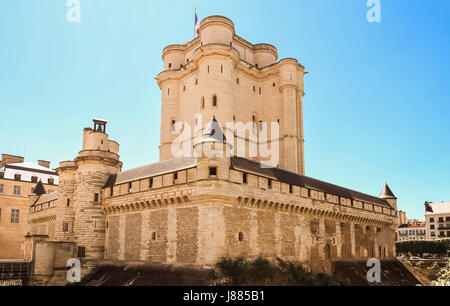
<point x="17" y="177"/>
<point x="184" y="87"/>
<point x="154" y="236"/>
<point x="170" y="65"/>
<point x="254" y="88"/>
<point x="168" y="91"/>
<point x="260" y="126"/>
<point x="81" y="252"/>
<point x="309" y="193"/>
<point x="0" y="213"/>
<point x="2" y="174"/>
<point x="290" y="189"/>
<point x="34" y="179"/>
<point x="51" y="181"/>
<point x="65" y="227"/>
<point x="433" y="234"/>
<point x="15" y="215"/>
<point x="221" y="68"/>
<point x="274" y="84"/>
<point x="111" y="191"/>
<point x="378" y="229"/>
<point x="237" y="81"/>
<point x="203" y="103"/>
<point x="441" y="234"/>
<point x="32" y="189"/>
<point x="68" y="202"/>
<point x="16" y="190"/>
<point x="196" y="81"/>
<point x="129" y="187"/>
<point x="269" y="184"/>
<point x="187" y="60"/>
<point x="441" y="220"/>
<point x="1" y="188"/>
<point x="214" y="100"/>
<point x="175" y="177"/>
<point x="212" y="171"/>
<point x="173" y="126"/>
<point x="244" y="178"/>
<point x="151" y="183"/>
<point x="241" y="236"/>
<point x="447" y="219"/>
<point x="256" y="65"/>
<point x="208" y="68"/>
<point x="431" y="219"/>
<point x="95" y="197"/>
<point x="260" y="91"/>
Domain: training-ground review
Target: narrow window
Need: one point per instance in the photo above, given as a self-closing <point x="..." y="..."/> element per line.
<point x="241" y="236"/>
<point x="203" y="103"/>
<point x="196" y="81"/>
<point x="15" y="215"/>
<point x="260" y="126"/>
<point x="260" y="91"/>
<point x="170" y="65"/>
<point x="95" y="197"/>
<point x="208" y="68"/>
<point x="68" y="202"/>
<point x="151" y="183"/>
<point x="273" y="84"/>
<point x="16" y="190"/>
<point x="34" y="179"/>
<point x="129" y="187"/>
<point x="17" y="177"/>
<point x="187" y="60"/>
<point x="81" y="252"/>
<point x="154" y="236"/>
<point x="65" y="227"/>
<point x="325" y="196"/>
<point x="214" y="100"/>
<point x="175" y="177"/>
<point x="269" y="184"/>
<point x="237" y="81"/>
<point x="221" y="68"/>
<point x="254" y="88"/>
<point x="234" y="118"/>
<point x="244" y="178"/>
<point x="168" y="91"/>
<point x="51" y="181"/>
<point x="309" y="193"/>
<point x="184" y="87"/>
<point x="290" y="189"/>
<point x="111" y="191"/>
<point x="107" y="224"/>
<point x="256" y="65"/>
<point x="212" y="171"/>
<point x="1" y="188"/>
<point x="173" y="126"/>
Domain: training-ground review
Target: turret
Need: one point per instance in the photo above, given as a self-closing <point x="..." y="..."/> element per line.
<point x="388" y="195"/>
<point x="94" y="164"/>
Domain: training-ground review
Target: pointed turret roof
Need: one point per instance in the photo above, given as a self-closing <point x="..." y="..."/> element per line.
<point x="212" y="133"/>
<point x="39" y="189"/>
<point x="387" y="193"/>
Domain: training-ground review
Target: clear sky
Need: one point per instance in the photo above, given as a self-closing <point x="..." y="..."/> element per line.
<point x="377" y="96"/>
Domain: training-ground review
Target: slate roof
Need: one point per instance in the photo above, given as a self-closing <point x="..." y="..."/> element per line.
<point x="387" y="193"/>
<point x="291" y="178"/>
<point x="46" y="198"/>
<point x="439" y="208"/>
<point x="155" y="169"/>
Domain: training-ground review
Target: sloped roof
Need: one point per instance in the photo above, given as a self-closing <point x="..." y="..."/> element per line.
<point x="212" y="133"/>
<point x="28" y="170"/>
<point x="155" y="169"/>
<point x="39" y="189"/>
<point x="239" y="163"/>
<point x="46" y="198"/>
<point x="439" y="208"/>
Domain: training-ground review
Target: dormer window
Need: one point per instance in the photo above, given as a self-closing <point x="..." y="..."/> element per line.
<point x="2" y="174"/>
<point x="34" y="179"/>
<point x="51" y="181"/>
<point x="17" y="176"/>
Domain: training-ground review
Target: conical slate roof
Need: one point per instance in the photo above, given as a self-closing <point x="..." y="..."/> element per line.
<point x="387" y="193"/>
<point x="39" y="189"/>
<point x="212" y="133"/>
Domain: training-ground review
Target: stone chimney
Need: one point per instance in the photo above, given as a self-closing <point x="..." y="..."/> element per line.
<point x="44" y="163"/>
<point x="10" y="159"/>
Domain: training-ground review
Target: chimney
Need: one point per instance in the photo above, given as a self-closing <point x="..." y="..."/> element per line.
<point x="44" y="163"/>
<point x="10" y="159"/>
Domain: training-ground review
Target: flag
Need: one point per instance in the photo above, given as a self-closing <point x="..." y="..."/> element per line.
<point x="197" y="30"/>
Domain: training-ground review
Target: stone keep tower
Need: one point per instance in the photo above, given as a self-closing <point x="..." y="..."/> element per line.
<point x="80" y="203"/>
<point x="220" y="74"/>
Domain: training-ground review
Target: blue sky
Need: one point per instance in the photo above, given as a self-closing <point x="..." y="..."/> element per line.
<point x="377" y="95"/>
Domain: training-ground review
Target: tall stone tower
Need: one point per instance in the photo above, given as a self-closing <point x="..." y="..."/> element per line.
<point x="220" y="74"/>
<point x="83" y="180"/>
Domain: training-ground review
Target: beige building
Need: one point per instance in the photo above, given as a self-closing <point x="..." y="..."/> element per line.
<point x="199" y="207"/>
<point x="438" y="220"/>
<point x="412" y="230"/>
<point x="17" y="182"/>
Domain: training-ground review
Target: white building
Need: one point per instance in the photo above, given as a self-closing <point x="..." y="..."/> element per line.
<point x="437" y="217"/>
<point x="413" y="230"/>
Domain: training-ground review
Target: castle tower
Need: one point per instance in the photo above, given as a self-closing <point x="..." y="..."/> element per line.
<point x="221" y="74"/>
<point x="94" y="164"/>
<point x="65" y="215"/>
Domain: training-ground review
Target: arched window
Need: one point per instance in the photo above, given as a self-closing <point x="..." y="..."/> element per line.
<point x="214" y="103"/>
